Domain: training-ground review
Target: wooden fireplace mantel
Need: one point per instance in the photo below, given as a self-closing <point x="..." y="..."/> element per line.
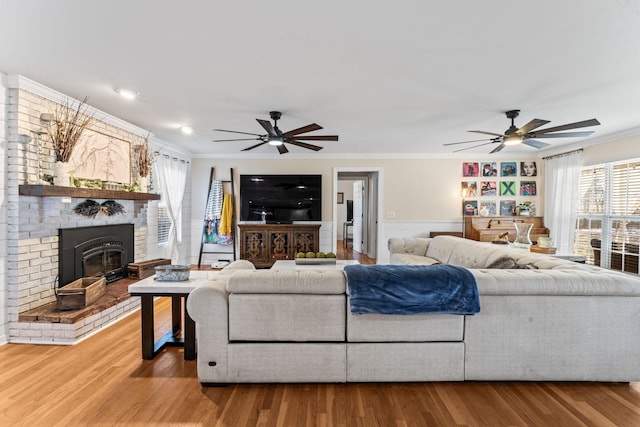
<point x="60" y="191"/>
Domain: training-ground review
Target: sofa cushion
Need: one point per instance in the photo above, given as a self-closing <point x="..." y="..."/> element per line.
<point x="373" y="327"/>
<point x="287" y="282"/>
<point x="410" y="259"/>
<point x="286" y="317"/>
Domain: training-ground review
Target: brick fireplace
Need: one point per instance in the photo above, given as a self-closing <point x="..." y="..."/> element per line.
<point x="42" y="221"/>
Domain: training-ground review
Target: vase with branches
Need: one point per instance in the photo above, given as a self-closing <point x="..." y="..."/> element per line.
<point x="144" y="163"/>
<point x="66" y="128"/>
<point x="144" y="159"/>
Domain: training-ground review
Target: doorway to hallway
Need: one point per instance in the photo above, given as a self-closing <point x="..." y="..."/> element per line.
<point x="357" y="202"/>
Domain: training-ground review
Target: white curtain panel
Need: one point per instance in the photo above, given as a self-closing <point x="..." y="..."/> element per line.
<point x="172" y="179"/>
<point x="561" y="181"/>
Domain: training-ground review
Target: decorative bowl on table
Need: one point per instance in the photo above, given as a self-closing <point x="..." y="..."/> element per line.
<point x="172" y="273"/>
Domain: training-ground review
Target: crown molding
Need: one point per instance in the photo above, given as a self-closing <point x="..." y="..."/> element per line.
<point x="17" y="81"/>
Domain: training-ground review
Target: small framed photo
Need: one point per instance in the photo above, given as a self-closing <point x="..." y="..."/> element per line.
<point x="488" y="188"/>
<point x="489" y="169"/>
<point x="508" y="169"/>
<point x="340" y="198"/>
<point x="528" y="169"/>
<point x="487" y="208"/>
<point x="470" y="169"/>
<point x="469" y="189"/>
<point x="528" y="188"/>
<point x="507" y="207"/>
<point x="470" y="207"/>
<point x="507" y="188"/>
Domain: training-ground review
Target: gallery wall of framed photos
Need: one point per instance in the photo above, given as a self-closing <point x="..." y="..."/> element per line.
<point x="499" y="188"/>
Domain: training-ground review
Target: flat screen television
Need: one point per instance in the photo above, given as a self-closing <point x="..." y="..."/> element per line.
<point x="280" y="198"/>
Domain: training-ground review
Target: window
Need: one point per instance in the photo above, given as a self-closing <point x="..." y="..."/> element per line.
<point x="608" y="225"/>
<point x="164" y="223"/>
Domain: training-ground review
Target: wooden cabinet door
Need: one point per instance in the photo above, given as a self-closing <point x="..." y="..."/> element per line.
<point x="280" y="244"/>
<point x="253" y="246"/>
<point x="305" y="240"/>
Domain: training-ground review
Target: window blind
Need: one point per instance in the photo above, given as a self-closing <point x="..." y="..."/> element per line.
<point x="608" y="225"/>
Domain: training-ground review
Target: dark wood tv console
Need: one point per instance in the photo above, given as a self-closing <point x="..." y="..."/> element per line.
<point x="264" y="244"/>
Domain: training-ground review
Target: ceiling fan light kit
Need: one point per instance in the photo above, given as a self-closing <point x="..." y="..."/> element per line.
<point x="528" y="134"/>
<point x="278" y="139"/>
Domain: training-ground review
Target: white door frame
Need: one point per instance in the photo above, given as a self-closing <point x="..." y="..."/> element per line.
<point x="379" y="225"/>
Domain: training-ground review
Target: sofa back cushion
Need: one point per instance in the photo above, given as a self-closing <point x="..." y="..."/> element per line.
<point x="327" y="282"/>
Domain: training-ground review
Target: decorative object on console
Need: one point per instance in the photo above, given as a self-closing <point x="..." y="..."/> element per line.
<point x="523" y="230"/>
<point x="172" y="273"/>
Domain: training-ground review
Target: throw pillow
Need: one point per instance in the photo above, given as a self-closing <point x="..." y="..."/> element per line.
<point x="506" y="262"/>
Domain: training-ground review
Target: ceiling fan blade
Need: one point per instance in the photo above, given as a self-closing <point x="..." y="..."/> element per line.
<point x="465" y="142"/>
<point x="486" y="133"/>
<point x="303" y="129"/>
<point x="254" y="146"/>
<point x="582" y="124"/>
<point x="266" y="124"/>
<point x="318" y="137"/>
<point x="304" y="145"/>
<point x="475" y="146"/>
<point x="498" y="148"/>
<point x="241" y="139"/>
<point x="535" y="144"/>
<point x="533" y="124"/>
<point x="564" y="134"/>
<point x="282" y="149"/>
<point x="235" y="131"/>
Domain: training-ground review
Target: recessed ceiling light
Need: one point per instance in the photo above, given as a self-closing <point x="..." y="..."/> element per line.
<point x="187" y="130"/>
<point x="127" y="93"/>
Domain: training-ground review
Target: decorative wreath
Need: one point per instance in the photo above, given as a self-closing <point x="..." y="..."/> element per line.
<point x="91" y="208"/>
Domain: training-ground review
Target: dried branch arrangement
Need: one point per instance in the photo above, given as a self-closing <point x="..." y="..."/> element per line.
<point x="144" y="159"/>
<point x="67" y="126"/>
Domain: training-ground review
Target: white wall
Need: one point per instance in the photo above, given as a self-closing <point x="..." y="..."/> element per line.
<point x="620" y="149"/>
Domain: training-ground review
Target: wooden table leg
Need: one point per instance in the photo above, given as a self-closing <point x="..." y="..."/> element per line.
<point x="189" y="335"/>
<point x="146" y="313"/>
<point x="176" y="314"/>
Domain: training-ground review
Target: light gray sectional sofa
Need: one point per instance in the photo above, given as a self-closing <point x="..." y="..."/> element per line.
<point x="562" y="321"/>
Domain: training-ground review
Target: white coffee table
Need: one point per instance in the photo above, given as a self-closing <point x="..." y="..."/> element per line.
<point x="288" y="265"/>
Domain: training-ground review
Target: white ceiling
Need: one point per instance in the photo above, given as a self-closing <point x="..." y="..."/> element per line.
<point x="390" y="78"/>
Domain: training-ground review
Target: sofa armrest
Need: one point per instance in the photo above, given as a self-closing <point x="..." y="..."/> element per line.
<point x="208" y="306"/>
<point x="409" y="245"/>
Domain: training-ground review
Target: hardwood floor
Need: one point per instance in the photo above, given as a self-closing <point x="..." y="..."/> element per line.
<point x="103" y="381"/>
<point x="348" y="253"/>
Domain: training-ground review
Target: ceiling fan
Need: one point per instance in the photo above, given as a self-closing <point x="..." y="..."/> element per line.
<point x="528" y="134"/>
<point x="277" y="138"/>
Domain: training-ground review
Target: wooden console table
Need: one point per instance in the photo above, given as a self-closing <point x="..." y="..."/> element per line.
<point x="148" y="289"/>
<point x="264" y="244"/>
<point x="486" y="228"/>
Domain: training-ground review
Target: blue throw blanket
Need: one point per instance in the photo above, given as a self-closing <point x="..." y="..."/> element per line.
<point x="411" y="289"/>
